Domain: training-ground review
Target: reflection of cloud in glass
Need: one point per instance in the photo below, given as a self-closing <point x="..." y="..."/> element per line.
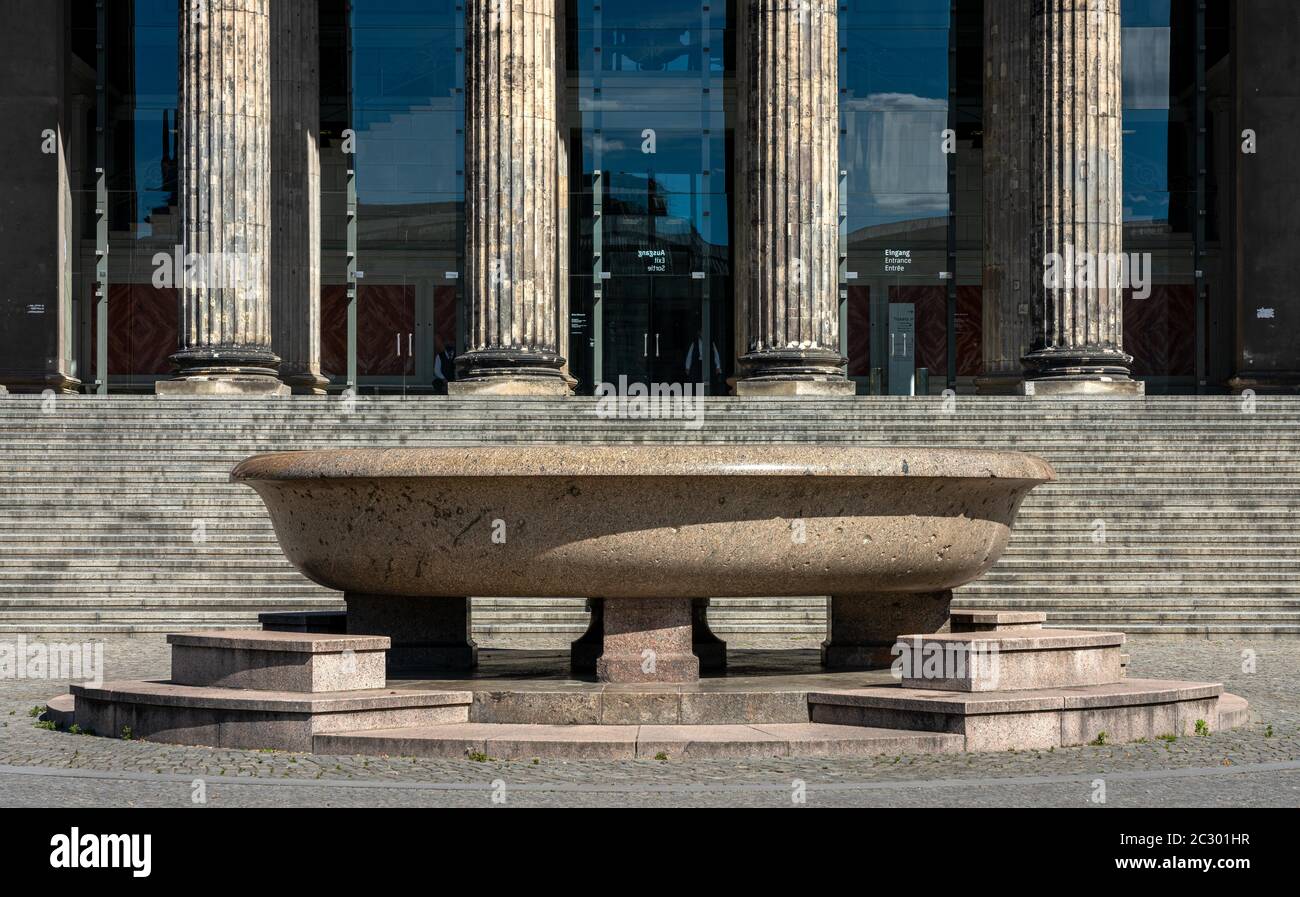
<point x="893" y="150"/>
<point x="1146" y="68"/>
<point x="606" y="145"/>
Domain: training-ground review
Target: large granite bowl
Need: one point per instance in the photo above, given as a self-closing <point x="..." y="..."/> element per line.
<point x="643" y="521"/>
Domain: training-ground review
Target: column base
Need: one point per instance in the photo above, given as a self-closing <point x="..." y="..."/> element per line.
<point x="863" y="629"/>
<point x="59" y="384"/>
<point x="428" y="634"/>
<point x="1000" y="385"/>
<point x="647" y="640"/>
<point x="794" y="372"/>
<point x="504" y="386"/>
<point x="252" y="386"/>
<point x="1102" y="388"/>
<point x="828" y="388"/>
<point x="705" y="645"/>
<point x="1267" y="383"/>
<point x="304" y="383"/>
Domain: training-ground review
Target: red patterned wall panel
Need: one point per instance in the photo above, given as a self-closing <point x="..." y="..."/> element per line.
<point x="384" y="312"/>
<point x="142" y="330"/>
<point x="970" y="331"/>
<point x="1160" y="331"/>
<point x="444" y="317"/>
<point x="859" y="335"/>
<point x="334" y="329"/>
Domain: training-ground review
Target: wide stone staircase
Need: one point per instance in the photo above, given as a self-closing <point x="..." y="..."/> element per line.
<point x="1171" y="515"/>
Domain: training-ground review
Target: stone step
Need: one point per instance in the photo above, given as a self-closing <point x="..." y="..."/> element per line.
<point x="995" y="620"/>
<point x="550" y="742"/>
<point x="1010" y="660"/>
<point x="241" y="718"/>
<point x="1128" y="710"/>
<point x="278" y="661"/>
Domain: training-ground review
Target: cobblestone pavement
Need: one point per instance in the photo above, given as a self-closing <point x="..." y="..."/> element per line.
<point x="1258" y="765"/>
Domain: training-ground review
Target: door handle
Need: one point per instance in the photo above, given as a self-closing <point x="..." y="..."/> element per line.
<point x="656" y="345"/>
<point x="409" y="354"/>
<point x="645" y="345"/>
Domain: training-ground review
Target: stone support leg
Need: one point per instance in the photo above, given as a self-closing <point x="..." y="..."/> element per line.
<point x="428" y="634"/>
<point x="862" y="629"/>
<point x="225" y="188"/>
<point x="711" y="650"/>
<point x="647" y="640"/>
<point x="511" y="200"/>
<point x="787" y="220"/>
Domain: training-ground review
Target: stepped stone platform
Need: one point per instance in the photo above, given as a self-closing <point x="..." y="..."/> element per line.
<point x="527" y="705"/>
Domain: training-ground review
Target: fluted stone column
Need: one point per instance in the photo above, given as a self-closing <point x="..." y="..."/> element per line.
<point x="1010" y="272"/>
<point x="511" y="200"/>
<point x="225" y="192"/>
<point x="295" y="193"/>
<point x="788" y="200"/>
<point x="1077" y="81"/>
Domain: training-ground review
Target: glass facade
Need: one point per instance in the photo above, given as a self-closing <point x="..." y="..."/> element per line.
<point x="649" y="110"/>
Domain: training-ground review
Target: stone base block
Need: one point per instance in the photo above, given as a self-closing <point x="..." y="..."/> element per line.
<point x="1010" y="660"/>
<point x="996" y="620"/>
<point x="863" y="629"/>
<point x="233" y="718"/>
<point x="1070" y="389"/>
<point x="647" y="640"/>
<point x="428" y="635"/>
<point x="791" y="388"/>
<point x="1030" y="720"/>
<point x="189" y="387"/>
<point x="506" y="386"/>
<point x="278" y="661"/>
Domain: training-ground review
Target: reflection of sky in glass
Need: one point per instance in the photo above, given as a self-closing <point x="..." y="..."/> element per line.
<point x="1146" y="109"/>
<point x="406" y="112"/>
<point x="156" y="86"/>
<point x="894" y="77"/>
